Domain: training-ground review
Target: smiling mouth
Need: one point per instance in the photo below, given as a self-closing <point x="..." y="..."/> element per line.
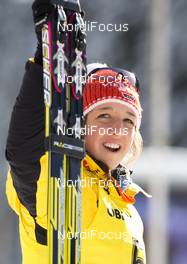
<point x="112" y="147"/>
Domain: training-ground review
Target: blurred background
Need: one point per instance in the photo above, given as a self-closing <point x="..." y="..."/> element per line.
<point x="155" y="48"/>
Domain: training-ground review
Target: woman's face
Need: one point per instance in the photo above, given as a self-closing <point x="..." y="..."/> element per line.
<point x="110" y="132"/>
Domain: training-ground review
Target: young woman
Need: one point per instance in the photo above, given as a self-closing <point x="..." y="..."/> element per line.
<point x="112" y="228"/>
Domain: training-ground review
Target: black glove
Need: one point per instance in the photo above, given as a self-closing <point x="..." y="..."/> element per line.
<point x="41" y="11"/>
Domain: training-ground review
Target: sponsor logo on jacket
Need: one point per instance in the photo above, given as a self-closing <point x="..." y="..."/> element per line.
<point x="115" y="212"/>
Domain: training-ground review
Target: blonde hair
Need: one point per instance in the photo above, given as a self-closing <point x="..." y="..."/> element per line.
<point x="134" y="151"/>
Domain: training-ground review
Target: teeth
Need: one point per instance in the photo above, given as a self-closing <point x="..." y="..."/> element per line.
<point x="111" y="145"/>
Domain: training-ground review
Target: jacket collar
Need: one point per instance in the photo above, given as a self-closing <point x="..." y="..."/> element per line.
<point x="92" y="165"/>
<point x="124" y="180"/>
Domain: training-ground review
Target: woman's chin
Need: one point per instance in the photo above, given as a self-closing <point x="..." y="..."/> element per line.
<point x="111" y="161"/>
<point x="111" y="165"/>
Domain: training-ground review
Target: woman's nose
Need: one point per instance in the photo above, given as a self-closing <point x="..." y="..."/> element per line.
<point x="117" y="127"/>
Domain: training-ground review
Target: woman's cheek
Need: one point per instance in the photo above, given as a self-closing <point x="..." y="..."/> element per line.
<point x="90" y="142"/>
<point x="131" y="136"/>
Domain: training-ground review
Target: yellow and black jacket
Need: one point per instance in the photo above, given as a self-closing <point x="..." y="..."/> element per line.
<point x="112" y="230"/>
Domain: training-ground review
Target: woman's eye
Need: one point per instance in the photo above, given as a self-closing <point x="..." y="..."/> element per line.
<point x="128" y="121"/>
<point x="104" y="116"/>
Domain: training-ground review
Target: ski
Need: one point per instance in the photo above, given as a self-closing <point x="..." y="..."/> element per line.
<point x="64" y="71"/>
